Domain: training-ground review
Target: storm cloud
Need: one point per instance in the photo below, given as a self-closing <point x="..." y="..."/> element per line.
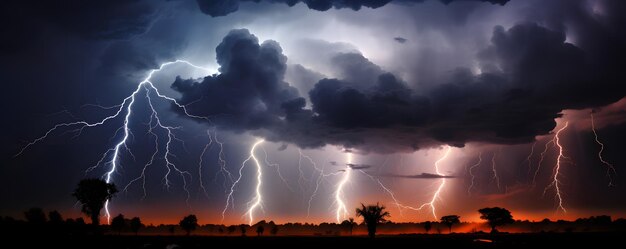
<point x="529" y="75"/>
<point x="225" y="7"/>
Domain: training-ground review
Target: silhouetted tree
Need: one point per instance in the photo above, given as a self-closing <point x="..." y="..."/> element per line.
<point x="496" y="216"/>
<point x="450" y="220"/>
<point x="92" y="194"/>
<point x="189" y="223"/>
<point x="172" y="229"/>
<point x="35" y="216"/>
<point x="118" y="223"/>
<point x="274" y="230"/>
<point x="243" y="227"/>
<point x="135" y="225"/>
<point x="427" y="226"/>
<point x="349" y="223"/>
<point x="55" y="218"/>
<point x="259" y="230"/>
<point x="372" y="215"/>
<point x="231" y="229"/>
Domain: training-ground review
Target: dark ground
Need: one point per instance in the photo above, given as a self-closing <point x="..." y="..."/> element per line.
<point x="537" y="240"/>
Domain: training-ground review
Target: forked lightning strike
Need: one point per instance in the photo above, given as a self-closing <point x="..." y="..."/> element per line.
<point x="557" y="169"/>
<point x="125" y="109"/>
<point x="258" y="198"/>
<point x="442" y="183"/>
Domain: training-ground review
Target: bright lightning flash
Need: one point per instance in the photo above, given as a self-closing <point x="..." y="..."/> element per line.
<point x="442" y="183"/>
<point x="258" y="198"/>
<point x="125" y="109"/>
<point x="342" y="212"/>
<point x="557" y="169"/>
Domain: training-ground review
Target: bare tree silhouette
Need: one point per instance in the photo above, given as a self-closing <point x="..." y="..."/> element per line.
<point x="372" y="215"/>
<point x="496" y="216"/>
<point x="92" y="194"/>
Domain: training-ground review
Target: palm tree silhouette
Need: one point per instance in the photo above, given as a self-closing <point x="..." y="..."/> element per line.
<point x="92" y="194"/>
<point x="372" y="215"/>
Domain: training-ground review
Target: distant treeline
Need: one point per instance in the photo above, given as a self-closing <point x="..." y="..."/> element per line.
<point x="36" y="221"/>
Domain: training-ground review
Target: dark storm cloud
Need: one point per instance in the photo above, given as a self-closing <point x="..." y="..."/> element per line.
<point x="249" y="93"/>
<point x="529" y="75"/>
<point x="225" y="7"/>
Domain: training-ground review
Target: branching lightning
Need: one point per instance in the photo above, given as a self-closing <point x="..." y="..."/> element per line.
<point x="277" y="167"/>
<point x="557" y="169"/>
<point x="609" y="166"/>
<point x="471" y="172"/>
<point x="221" y="160"/>
<point x="258" y="198"/>
<point x="442" y="183"/>
<point x="125" y="109"/>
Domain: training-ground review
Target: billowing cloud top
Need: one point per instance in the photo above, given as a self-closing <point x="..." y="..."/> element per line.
<point x="529" y="75"/>
<point x="225" y="7"/>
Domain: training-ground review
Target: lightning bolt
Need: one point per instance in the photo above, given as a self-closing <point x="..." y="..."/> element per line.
<point x="206" y="147"/>
<point x="257" y="199"/>
<point x="342" y="211"/>
<point x="557" y="169"/>
<point x="542" y="157"/>
<point x="277" y="167"/>
<point x="609" y="166"/>
<point x="221" y="161"/>
<point x="125" y="109"/>
<point x="493" y="169"/>
<point x="390" y="193"/>
<point x="442" y="183"/>
<point x="480" y="159"/>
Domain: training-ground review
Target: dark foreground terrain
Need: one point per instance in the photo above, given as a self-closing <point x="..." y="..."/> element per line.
<point x="538" y="240"/>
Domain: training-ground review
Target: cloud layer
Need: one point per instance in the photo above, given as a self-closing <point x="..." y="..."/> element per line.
<point x="529" y="74"/>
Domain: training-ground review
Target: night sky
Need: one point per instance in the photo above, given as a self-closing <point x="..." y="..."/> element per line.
<point x="439" y="104"/>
